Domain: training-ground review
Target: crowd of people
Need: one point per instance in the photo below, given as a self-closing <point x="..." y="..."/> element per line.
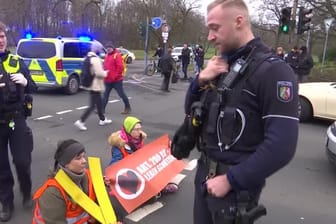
<point x="299" y="60"/>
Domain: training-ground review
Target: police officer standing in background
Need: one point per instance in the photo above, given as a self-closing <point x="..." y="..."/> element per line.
<point x="15" y="106"/>
<point x="244" y="107"/>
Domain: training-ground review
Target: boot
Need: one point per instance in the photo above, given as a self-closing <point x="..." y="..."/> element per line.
<point x="126" y="111"/>
<point x="6" y="212"/>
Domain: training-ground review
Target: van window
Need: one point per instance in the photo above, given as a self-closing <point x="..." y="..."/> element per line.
<point x="76" y="49"/>
<point x="84" y="48"/>
<point x="71" y="50"/>
<point x="36" y="49"/>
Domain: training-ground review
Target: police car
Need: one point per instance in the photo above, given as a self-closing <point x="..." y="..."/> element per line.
<point x="55" y="62"/>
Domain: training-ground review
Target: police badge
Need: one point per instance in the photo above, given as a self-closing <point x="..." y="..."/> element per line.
<point x="285" y="91"/>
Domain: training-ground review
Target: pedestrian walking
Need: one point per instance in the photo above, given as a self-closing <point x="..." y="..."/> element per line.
<point x="96" y="89"/>
<point x="199" y="58"/>
<point x="292" y="58"/>
<point x="167" y="68"/>
<point x="15" y="106"/>
<point x="185" y="59"/>
<point x="159" y="52"/>
<point x="114" y="64"/>
<point x="305" y="64"/>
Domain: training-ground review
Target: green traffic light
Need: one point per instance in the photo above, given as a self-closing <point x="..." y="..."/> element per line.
<point x="284" y="28"/>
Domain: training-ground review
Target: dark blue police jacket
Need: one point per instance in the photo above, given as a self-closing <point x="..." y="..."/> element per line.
<point x="271" y="94"/>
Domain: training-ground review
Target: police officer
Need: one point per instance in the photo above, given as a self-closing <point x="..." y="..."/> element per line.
<point x="244" y="106"/>
<point x="15" y="106"/>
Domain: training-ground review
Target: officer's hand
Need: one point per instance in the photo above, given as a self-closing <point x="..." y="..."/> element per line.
<point x="216" y="65"/>
<point x="2" y="84"/>
<point x="19" y="78"/>
<point x="218" y="186"/>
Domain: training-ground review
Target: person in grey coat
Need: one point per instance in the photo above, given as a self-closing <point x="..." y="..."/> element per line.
<point x="96" y="89"/>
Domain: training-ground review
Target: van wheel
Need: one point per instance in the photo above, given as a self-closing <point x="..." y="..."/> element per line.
<point x="305" y="110"/>
<point x="72" y="85"/>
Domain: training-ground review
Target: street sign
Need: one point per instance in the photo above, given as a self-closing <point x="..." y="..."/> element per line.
<point x="156" y="22"/>
<point x="327" y="23"/>
<point x="165" y="36"/>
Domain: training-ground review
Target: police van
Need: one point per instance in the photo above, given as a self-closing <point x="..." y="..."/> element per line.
<point x="55" y="62"/>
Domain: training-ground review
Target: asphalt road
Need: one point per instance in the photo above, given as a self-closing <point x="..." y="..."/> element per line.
<point x="302" y="193"/>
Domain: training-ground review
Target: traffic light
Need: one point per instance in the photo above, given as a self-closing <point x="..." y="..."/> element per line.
<point x="142" y="29"/>
<point x="304" y="20"/>
<point x="285" y="19"/>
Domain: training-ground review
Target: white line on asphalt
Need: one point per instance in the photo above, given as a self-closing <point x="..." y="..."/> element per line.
<point x="178" y="178"/>
<point x="142" y="212"/>
<point x="64" y="112"/>
<point x="42" y="118"/>
<point x="191" y="165"/>
<point x="157" y="90"/>
<point x="82" y="108"/>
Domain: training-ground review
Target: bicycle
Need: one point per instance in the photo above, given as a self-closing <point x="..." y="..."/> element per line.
<point x="152" y="67"/>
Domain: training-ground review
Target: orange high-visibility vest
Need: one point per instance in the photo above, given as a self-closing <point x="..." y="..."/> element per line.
<point x="74" y="213"/>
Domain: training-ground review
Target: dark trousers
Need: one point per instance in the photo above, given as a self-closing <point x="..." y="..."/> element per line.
<point x="301" y="78"/>
<point x="118" y="86"/>
<point x="95" y="102"/>
<point x="165" y="81"/>
<point x="20" y="142"/>
<point x="185" y="69"/>
<point x="214" y="210"/>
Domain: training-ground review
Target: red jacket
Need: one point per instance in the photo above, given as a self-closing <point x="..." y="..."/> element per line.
<point x="113" y="62"/>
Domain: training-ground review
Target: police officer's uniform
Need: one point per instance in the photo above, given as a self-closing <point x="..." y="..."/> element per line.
<point x="14" y="131"/>
<point x="257" y="139"/>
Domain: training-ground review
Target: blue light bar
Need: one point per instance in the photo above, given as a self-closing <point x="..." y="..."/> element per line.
<point x="28" y="35"/>
<point x="85" y="38"/>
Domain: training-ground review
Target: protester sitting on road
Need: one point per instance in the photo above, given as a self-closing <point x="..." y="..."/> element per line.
<point x="129" y="139"/>
<point x="53" y="204"/>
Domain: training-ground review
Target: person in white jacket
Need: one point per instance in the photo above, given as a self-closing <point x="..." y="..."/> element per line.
<point x="96" y="89"/>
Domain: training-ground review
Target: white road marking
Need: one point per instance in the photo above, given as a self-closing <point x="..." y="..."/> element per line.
<point x="178" y="178"/>
<point x="42" y="118"/>
<point x="64" y="112"/>
<point x="142" y="212"/>
<point x="82" y="108"/>
<point x="191" y="165"/>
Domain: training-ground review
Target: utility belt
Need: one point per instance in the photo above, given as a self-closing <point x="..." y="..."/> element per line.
<point x="7" y="117"/>
<point x="214" y="167"/>
<point x="247" y="209"/>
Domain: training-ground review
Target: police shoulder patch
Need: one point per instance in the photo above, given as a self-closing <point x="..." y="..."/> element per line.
<point x="285" y="91"/>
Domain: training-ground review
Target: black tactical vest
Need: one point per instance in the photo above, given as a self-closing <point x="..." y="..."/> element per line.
<point x="11" y="95"/>
<point x="232" y="121"/>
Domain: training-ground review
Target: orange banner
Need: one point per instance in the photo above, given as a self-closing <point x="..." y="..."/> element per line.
<point x="143" y="174"/>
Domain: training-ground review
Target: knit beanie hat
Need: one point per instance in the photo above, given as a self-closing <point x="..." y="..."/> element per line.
<point x="129" y="123"/>
<point x="67" y="150"/>
<point x="109" y="44"/>
<point x="96" y="47"/>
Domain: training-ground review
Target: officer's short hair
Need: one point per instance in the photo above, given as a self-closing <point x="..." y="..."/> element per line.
<point x="227" y="3"/>
<point x="3" y="27"/>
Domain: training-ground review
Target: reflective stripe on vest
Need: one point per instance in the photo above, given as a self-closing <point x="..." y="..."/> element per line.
<point x="74" y="213"/>
<point x="11" y="64"/>
<point x="100" y="189"/>
<point x="80" y="219"/>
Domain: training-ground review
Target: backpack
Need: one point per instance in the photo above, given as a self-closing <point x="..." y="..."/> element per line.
<point x="86" y="76"/>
